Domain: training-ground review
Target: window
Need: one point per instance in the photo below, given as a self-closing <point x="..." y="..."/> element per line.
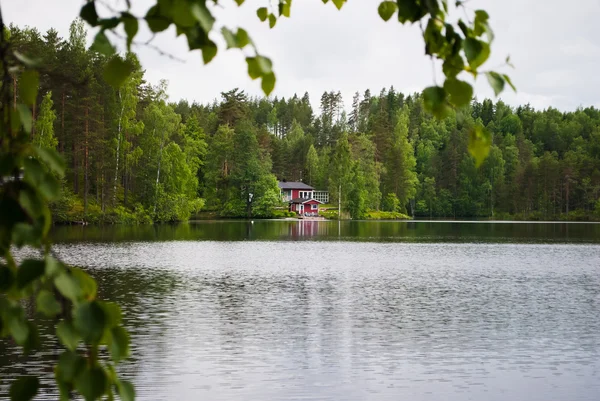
<point x="314" y="207"/>
<point x="305" y="194"/>
<point x="322" y="196"/>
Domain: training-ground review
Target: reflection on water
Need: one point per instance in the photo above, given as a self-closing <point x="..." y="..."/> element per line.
<point x="329" y="320"/>
<point x="377" y="231"/>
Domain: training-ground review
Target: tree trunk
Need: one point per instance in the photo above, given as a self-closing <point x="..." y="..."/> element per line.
<point x="118" y="151"/>
<point x="340" y="202"/>
<point x="125" y="177"/>
<point x="158" y="169"/>
<point x="567" y="195"/>
<point x="125" y="184"/>
<point x="75" y="167"/>
<point x="62" y="124"/>
<point x="86" y="183"/>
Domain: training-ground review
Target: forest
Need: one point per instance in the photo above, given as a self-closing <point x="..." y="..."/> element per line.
<point x="135" y="156"/>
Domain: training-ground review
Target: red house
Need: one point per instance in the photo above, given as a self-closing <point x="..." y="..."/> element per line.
<point x="301" y="197"/>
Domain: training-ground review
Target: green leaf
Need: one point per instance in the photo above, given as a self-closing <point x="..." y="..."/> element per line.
<point x="28" y="86"/>
<point x="118" y="343"/>
<point x="262" y="13"/>
<point x="53" y="267"/>
<point x="17" y="324"/>
<point x="410" y="11"/>
<point x="387" y="9"/>
<point x="434" y="41"/>
<point x="156" y="21"/>
<point x="64" y="389"/>
<point x="8" y="163"/>
<point x="109" y="23"/>
<point x="229" y="37"/>
<point x="339" y="3"/>
<point x="203" y="16"/>
<point x="112" y="312"/>
<point x="45" y="183"/>
<point x="131" y="26"/>
<point x="453" y="66"/>
<point x="259" y="66"/>
<point x="88" y="13"/>
<point x="235" y="40"/>
<point x="272" y="20"/>
<point x="477" y="52"/>
<point x="90" y="320"/>
<point x="52" y="159"/>
<point x="102" y="45"/>
<point x="239" y="2"/>
<point x="76" y="285"/>
<point x="285" y="8"/>
<point x="460" y="92"/>
<point x="182" y="14"/>
<point x="68" y="336"/>
<point x="27" y="60"/>
<point x="496" y="82"/>
<point x="209" y="52"/>
<point x="25" y="117"/>
<point x="242" y="38"/>
<point x="117" y="71"/>
<point x="480" y="25"/>
<point x="91" y="383"/>
<point x="268" y="83"/>
<point x="29" y="271"/>
<point x="33" y="339"/>
<point x="479" y="144"/>
<point x="69" y="365"/>
<point x="26" y="234"/>
<point x="434" y="100"/>
<point x="47" y="304"/>
<point x="509" y="82"/>
<point x="126" y="390"/>
<point x="31" y="202"/>
<point x="6" y="278"/>
<point x="24" y="388"/>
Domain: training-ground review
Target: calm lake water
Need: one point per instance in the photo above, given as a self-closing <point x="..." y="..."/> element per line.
<point x="352" y="311"/>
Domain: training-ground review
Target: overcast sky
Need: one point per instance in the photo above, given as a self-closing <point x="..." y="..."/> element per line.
<point x="553" y="44"/>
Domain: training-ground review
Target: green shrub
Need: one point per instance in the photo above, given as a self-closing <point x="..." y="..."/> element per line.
<point x="381" y="215"/>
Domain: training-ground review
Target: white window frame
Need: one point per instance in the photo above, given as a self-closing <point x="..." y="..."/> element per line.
<point x="314" y="206"/>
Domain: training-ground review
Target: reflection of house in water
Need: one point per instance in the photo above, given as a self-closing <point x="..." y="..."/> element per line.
<point x="308" y="228"/>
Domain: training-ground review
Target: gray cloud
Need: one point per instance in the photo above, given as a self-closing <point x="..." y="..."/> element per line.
<point x="553" y="46"/>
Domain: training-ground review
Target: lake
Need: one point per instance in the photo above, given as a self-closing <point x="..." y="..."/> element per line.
<point x="279" y="310"/>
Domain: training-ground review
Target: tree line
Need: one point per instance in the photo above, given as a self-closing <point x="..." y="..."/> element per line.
<point x="135" y="156"/>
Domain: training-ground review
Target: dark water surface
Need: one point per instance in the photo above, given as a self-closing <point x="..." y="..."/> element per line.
<point x="356" y="311"/>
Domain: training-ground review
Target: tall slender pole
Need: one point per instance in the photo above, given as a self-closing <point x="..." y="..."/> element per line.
<point x="340" y="202"/>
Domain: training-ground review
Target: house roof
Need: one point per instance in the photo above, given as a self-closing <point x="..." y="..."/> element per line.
<point x="293" y="185"/>
<point x="304" y="200"/>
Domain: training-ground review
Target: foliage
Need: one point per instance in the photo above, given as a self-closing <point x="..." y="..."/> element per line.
<point x="462" y="46"/>
<point x="383" y="215"/>
<point x="391" y="203"/>
<point x="281" y="214"/>
<point x="43" y="136"/>
<point x="29" y="180"/>
<point x="100" y="82"/>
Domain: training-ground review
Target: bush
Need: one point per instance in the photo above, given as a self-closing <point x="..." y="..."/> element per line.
<point x="281" y="214"/>
<point x="381" y="215"/>
<point x="329" y="214"/>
